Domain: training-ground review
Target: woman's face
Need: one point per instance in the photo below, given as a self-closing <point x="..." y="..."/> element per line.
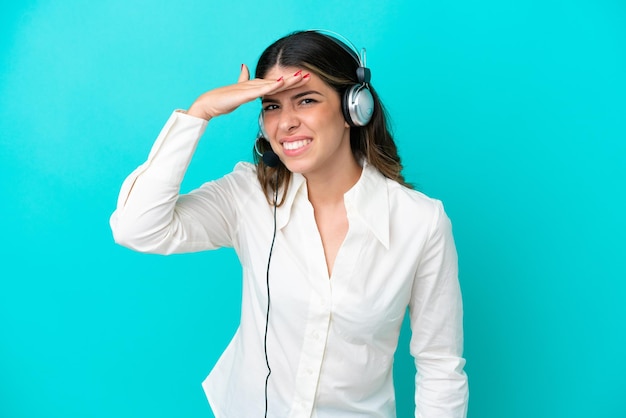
<point x="306" y="127"/>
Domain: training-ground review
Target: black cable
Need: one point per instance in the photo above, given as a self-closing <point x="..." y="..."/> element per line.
<point x="267" y="281"/>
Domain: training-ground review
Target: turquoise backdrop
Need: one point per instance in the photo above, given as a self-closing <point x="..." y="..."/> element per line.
<point x="511" y="112"/>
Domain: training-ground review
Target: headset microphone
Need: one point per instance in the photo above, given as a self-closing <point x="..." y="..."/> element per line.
<point x="270" y="158"/>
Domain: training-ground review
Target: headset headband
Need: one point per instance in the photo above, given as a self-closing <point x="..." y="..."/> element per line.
<point x="345" y="43"/>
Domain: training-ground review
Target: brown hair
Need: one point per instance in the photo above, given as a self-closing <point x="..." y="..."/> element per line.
<point x="335" y="63"/>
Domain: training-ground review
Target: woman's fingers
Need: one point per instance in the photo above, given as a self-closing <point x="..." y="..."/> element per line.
<point x="286" y="83"/>
<point x="244" y="75"/>
<point x="226" y="99"/>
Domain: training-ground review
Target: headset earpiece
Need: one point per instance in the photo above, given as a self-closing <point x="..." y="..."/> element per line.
<point x="357" y="105"/>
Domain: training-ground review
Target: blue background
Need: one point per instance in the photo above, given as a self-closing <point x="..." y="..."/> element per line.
<point x="511" y="112"/>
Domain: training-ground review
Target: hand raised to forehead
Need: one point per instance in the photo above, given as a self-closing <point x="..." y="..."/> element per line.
<point x="225" y="99"/>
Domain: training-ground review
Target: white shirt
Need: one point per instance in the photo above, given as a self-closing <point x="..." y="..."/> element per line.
<point x="331" y="341"/>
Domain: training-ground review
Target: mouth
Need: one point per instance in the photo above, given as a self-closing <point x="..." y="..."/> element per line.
<point x="296" y="145"/>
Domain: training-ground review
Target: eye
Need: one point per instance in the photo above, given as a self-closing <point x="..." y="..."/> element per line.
<point x="307" y="101"/>
<point x="270" y="106"/>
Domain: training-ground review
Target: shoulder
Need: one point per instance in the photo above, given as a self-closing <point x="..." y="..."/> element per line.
<point x="402" y="196"/>
<point x="415" y="209"/>
<point x="243" y="174"/>
<point x="240" y="183"/>
<point x="406" y="207"/>
<point x="245" y="170"/>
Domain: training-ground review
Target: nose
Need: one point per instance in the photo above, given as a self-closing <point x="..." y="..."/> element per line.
<point x="288" y="119"/>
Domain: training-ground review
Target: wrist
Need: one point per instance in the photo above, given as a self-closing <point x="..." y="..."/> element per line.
<point x="196" y="112"/>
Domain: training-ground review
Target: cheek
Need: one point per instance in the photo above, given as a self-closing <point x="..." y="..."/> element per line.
<point x="336" y="121"/>
<point x="331" y="119"/>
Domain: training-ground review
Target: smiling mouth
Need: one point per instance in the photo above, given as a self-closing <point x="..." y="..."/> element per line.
<point x="294" y="145"/>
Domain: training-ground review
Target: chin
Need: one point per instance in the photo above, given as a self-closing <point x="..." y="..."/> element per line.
<point x="296" y="167"/>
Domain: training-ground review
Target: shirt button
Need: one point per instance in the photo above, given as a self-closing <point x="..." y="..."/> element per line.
<point x="316" y="335"/>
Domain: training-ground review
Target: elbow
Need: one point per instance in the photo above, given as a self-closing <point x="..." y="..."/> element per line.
<point x="125" y="238"/>
<point x="124" y="234"/>
<point x="130" y="234"/>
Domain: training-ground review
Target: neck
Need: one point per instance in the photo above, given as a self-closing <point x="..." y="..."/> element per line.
<point x="329" y="187"/>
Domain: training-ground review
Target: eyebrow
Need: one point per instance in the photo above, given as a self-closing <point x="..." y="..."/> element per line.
<point x="294" y="97"/>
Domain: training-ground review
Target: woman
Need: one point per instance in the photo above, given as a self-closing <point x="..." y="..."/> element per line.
<point x="330" y="233"/>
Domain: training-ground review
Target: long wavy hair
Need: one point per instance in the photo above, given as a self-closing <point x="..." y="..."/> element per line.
<point x="336" y="64"/>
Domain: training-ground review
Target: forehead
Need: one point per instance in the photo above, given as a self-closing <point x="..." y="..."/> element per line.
<point x="278" y="71"/>
<point x="315" y="83"/>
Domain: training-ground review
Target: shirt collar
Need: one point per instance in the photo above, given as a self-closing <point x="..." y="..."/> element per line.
<point x="367" y="200"/>
<point x="297" y="187"/>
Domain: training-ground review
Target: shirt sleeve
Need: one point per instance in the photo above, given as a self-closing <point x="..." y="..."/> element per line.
<point x="152" y="217"/>
<point x="436" y="312"/>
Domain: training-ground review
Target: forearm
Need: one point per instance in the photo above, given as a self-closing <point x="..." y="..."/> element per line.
<point x="145" y="216"/>
<point x="441" y="388"/>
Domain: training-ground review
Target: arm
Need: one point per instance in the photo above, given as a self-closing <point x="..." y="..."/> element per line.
<point x="436" y="313"/>
<point x="151" y="216"/>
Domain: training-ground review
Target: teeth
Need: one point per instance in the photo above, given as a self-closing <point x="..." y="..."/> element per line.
<point x="296" y="144"/>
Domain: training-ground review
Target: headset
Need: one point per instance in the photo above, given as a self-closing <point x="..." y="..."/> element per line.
<point x="357" y="103"/>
